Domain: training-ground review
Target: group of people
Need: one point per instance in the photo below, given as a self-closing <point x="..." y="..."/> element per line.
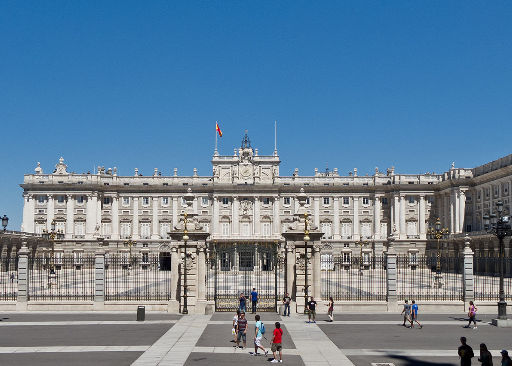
<point x="466" y="354"/>
<point x="410" y="313"/>
<point x="243" y="301"/>
<point x="239" y="331"/>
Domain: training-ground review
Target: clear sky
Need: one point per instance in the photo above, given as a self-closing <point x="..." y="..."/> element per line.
<point x="414" y="84"/>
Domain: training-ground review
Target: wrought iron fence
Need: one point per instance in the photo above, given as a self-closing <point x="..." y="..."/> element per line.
<point x="487" y="278"/>
<point x="63" y="278"/>
<point x="146" y="277"/>
<point x="419" y="279"/>
<point x="353" y="278"/>
<point x="9" y="278"/>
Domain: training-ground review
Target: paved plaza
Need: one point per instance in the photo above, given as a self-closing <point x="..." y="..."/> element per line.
<point x="166" y="339"/>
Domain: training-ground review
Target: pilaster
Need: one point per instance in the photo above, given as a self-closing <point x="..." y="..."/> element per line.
<point x="336" y="205"/>
<point x="376" y="216"/>
<point x="257" y="216"/>
<point x="235" y="215"/>
<point x="403" y="228"/>
<point x="277" y="219"/>
<point x="115" y="217"/>
<point x="28" y="213"/>
<point x="316" y="272"/>
<point x="70" y="216"/>
<point x="355" y="229"/>
<point x="175" y="212"/>
<point x="135" y="229"/>
<point x="154" y="219"/>
<point x="174" y="303"/>
<point x="290" y="269"/>
<point x="50" y="212"/>
<point x="423" y="234"/>
<point x="316" y="208"/>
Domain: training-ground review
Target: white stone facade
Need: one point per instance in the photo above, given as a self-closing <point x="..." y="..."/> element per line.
<point x="246" y="199"/>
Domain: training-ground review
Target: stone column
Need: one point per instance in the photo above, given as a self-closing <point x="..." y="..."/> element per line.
<point x="376" y="216"/>
<point x="115" y="217"/>
<point x="70" y="216"/>
<point x="277" y="219"/>
<point x="391" y="276"/>
<point x="154" y="220"/>
<point x="215" y="221"/>
<point x="22" y="277"/>
<point x="316" y="208"/>
<point x="174" y="303"/>
<point x="175" y="212"/>
<point x="469" y="294"/>
<point x="355" y="229"/>
<point x="135" y="218"/>
<point x="99" y="279"/>
<point x="403" y="228"/>
<point x="290" y="269"/>
<point x="201" y="279"/>
<point x="50" y="212"/>
<point x="462" y="210"/>
<point x="317" y="272"/>
<point x="90" y="216"/>
<point x="257" y="216"/>
<point x="236" y="219"/>
<point x="451" y="215"/>
<point x="396" y="213"/>
<point x="337" y="235"/>
<point x="28" y="213"/>
<point x="456" y="212"/>
<point x="423" y="233"/>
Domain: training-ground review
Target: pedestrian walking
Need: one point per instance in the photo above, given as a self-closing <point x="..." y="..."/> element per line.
<point x="485" y="356"/>
<point x="472" y="315"/>
<point x="243" y="301"/>
<point x="241" y="331"/>
<point x="505" y="358"/>
<point x="277" y="337"/>
<point x="254" y="300"/>
<point x="259" y="330"/>
<point x="286" y="301"/>
<point x="312" y="310"/>
<point x="330" y="309"/>
<point x="235" y="323"/>
<point x="406" y="312"/>
<point x="465" y="353"/>
<point x="12" y="277"/>
<point x="414" y="314"/>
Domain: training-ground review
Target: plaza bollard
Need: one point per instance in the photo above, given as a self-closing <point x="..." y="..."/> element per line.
<point x="141" y="313"/>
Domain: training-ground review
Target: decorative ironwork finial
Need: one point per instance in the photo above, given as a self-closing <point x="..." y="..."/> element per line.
<point x="246" y="143"/>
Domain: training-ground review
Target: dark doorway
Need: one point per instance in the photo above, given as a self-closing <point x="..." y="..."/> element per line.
<point x="165" y="261"/>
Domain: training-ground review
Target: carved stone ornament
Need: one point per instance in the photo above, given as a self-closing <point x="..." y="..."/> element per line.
<point x="300" y="262"/>
<point x="245" y="207"/>
<point x="60" y="168"/>
<point x="38" y="168"/>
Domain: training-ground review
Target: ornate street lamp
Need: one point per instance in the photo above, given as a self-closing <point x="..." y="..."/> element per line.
<point x="499" y="225"/>
<point x="130" y="243"/>
<point x="438" y="233"/>
<point x="362" y="244"/>
<point x="5" y="221"/>
<point x="52" y="235"/>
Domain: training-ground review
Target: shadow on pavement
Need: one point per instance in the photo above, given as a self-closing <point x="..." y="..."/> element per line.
<point x="411" y="361"/>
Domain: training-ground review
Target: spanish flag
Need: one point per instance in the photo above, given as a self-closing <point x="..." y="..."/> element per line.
<point x="217" y="128"/>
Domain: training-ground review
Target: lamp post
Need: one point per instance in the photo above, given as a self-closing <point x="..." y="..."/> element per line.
<point x="5" y="221"/>
<point x="362" y="244"/>
<point x="52" y="235"/>
<point x="499" y="225"/>
<point x="438" y="233"/>
<point x="130" y="243"/>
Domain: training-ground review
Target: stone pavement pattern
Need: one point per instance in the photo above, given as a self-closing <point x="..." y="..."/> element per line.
<point x="164" y="339"/>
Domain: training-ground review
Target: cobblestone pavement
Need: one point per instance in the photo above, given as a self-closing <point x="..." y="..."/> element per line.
<point x="165" y="339"/>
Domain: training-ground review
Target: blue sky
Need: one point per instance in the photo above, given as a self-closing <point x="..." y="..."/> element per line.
<point x="413" y="84"/>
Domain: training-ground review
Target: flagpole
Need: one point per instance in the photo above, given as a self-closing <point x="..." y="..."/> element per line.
<point x="216" y="124"/>
<point x="275" y="137"/>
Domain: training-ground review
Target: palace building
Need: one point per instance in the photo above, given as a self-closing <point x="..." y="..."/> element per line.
<point x="246" y="199"/>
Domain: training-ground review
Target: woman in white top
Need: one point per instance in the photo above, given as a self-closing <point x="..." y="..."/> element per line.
<point x="235" y="323"/>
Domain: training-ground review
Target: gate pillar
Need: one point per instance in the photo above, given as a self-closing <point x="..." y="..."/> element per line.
<point x="317" y="272"/>
<point x="174" y="304"/>
<point x="468" y="274"/>
<point x="23" y="269"/>
<point x="290" y="270"/>
<point x="391" y="275"/>
<point x="201" y="278"/>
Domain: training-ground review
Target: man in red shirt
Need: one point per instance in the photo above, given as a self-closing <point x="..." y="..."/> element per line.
<point x="276" y="343"/>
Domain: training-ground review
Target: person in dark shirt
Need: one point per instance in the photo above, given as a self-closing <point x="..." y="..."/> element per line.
<point x="465" y="353"/>
<point x="241" y="330"/>
<point x="286" y="302"/>
<point x="505" y="358"/>
<point x="312" y="310"/>
<point x="254" y="300"/>
<point x="485" y="356"/>
<point x="243" y="301"/>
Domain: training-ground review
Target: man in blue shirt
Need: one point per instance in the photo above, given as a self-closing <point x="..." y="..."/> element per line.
<point x="414" y="315"/>
<point x="254" y="300"/>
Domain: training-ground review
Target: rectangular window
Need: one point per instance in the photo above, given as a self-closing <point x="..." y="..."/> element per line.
<point x="41" y="199"/>
<point x="78" y="257"/>
<point x="366" y="201"/>
<point x="366" y="230"/>
<point x="346" y="200"/>
<point x="79" y="199"/>
<point x="266" y="201"/>
<point x="145" y="230"/>
<point x="225" y="201"/>
<point x="346" y="257"/>
<point x="79" y="228"/>
<point x="60" y="199"/>
<point x="384" y="200"/>
<point x="411" y="200"/>
<point x="326" y="229"/>
<point x="106" y="228"/>
<point x="307" y="201"/>
<point x="287" y="200"/>
<point x="346" y="230"/>
<point x="126" y="201"/>
<point x="383" y="230"/>
<point x="40" y="226"/>
<point x="204" y="201"/>
<point x="126" y="230"/>
<point x="412" y="228"/>
<point x="165" y="228"/>
<point x="106" y="200"/>
<point x="326" y="200"/>
<point x="145" y="201"/>
<point x="246" y="229"/>
<point x="225" y="229"/>
<point x="60" y="226"/>
<point x="266" y="229"/>
<point x="165" y="201"/>
<point x="145" y="257"/>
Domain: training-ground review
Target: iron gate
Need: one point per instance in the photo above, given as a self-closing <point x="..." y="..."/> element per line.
<point x="233" y="269"/>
